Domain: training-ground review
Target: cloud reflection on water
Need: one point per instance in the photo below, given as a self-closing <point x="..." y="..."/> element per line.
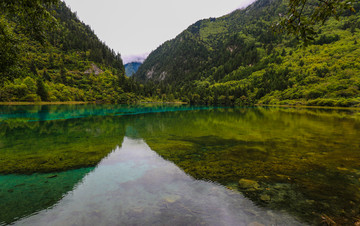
<point x="135" y="186"/>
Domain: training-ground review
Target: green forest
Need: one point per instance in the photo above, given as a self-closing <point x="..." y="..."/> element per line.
<point x="58" y="58"/>
<point x="49" y="55"/>
<point x="238" y="59"/>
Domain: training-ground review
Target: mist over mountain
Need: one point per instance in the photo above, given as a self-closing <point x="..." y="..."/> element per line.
<point x="135" y="58"/>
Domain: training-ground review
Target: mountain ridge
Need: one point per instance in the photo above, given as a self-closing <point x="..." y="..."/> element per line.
<point x="205" y="35"/>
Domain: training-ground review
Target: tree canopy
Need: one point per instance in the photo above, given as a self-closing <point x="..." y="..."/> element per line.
<point x="22" y="19"/>
<point x="31" y="16"/>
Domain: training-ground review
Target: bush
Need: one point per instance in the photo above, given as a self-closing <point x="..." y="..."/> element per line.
<point x="327" y="39"/>
<point x="31" y="98"/>
<point x="242" y="101"/>
<point x="313" y="94"/>
<point x="31" y="85"/>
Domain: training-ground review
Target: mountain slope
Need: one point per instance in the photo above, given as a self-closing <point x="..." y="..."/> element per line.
<point x="71" y="64"/>
<point x="211" y="42"/>
<point x="237" y="60"/>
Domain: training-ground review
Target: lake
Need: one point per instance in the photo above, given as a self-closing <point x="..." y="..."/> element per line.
<point x="178" y="165"/>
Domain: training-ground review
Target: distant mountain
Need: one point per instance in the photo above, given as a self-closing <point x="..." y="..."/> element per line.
<point x="237" y="59"/>
<point x="131" y="68"/>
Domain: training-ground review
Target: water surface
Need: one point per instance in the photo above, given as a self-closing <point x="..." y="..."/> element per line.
<point x="135" y="186"/>
<point x="164" y="164"/>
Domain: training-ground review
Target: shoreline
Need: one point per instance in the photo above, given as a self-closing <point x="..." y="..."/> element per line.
<point x="158" y="102"/>
<point x="311" y="107"/>
<point x="45" y="103"/>
<point x="177" y="102"/>
<point x="79" y="103"/>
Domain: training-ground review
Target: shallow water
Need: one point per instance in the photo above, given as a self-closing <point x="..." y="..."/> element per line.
<point x="135" y="186"/>
<point x="108" y="165"/>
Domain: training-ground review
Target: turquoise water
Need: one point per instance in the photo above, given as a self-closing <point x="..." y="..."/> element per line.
<point x="181" y="165"/>
<point x="56" y="112"/>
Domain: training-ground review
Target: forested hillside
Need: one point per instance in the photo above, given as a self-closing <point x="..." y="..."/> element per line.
<point x="68" y="63"/>
<point x="238" y="60"/>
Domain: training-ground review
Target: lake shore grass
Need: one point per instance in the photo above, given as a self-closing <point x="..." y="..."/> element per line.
<point x="311" y="107"/>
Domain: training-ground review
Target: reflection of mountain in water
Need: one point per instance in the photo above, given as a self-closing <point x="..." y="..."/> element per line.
<point x="305" y="162"/>
<point x="84" y="135"/>
<point x="134" y="186"/>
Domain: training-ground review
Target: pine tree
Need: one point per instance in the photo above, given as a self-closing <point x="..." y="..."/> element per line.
<point x="41" y="90"/>
<point x="46" y="76"/>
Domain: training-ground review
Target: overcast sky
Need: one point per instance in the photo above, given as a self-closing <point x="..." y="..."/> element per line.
<point x="136" y="27"/>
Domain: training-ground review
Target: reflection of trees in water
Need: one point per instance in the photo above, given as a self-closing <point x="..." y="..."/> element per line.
<point x="47" y="146"/>
<point x="53" y="145"/>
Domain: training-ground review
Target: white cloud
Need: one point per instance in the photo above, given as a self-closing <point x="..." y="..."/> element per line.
<point x="134" y="58"/>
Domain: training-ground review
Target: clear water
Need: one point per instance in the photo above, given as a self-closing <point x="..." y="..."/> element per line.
<point x="135" y="186"/>
<point x="180" y="165"/>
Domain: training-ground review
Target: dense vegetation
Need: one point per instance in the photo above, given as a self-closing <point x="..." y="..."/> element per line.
<point x="237" y="60"/>
<point x="302" y="16"/>
<point x="48" y="54"/>
<point x="58" y="58"/>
